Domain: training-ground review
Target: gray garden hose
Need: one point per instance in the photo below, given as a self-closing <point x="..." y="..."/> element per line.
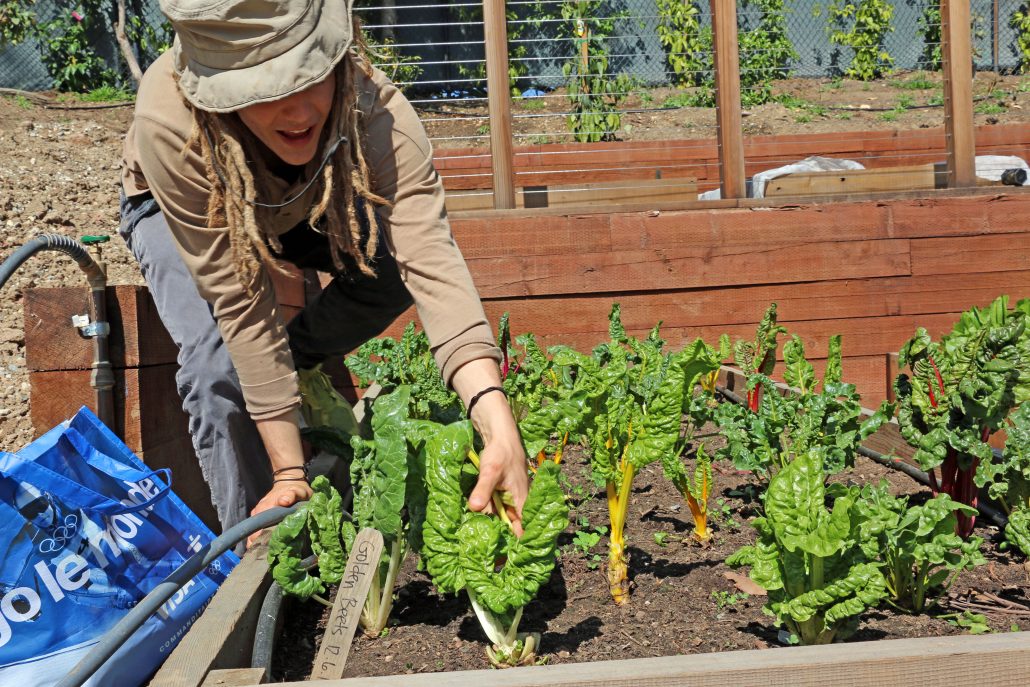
<point x="117" y="635"/>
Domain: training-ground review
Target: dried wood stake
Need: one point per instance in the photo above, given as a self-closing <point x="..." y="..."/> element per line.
<point x="350" y="597"/>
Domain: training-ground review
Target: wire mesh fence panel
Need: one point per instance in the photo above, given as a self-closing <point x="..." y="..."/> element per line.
<point x="609" y="94"/>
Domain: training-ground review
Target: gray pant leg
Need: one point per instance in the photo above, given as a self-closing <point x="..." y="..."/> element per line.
<point x="228" y="446"/>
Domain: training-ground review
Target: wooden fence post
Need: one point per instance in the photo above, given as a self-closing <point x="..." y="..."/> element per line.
<point x="957" y="55"/>
<point x="495" y="30"/>
<point x="727" y="98"/>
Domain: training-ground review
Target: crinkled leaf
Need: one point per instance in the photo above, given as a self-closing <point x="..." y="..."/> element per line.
<point x="443" y="455"/>
<point x="325" y="510"/>
<point x="284" y="556"/>
<point x="529" y="559"/>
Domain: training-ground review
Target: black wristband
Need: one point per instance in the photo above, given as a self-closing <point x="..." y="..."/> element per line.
<point x="475" y="399"/>
<point x="302" y="468"/>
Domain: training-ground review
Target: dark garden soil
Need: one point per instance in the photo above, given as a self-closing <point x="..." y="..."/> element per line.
<point x="684" y="598"/>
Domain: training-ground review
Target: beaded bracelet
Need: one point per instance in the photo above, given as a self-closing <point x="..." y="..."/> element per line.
<point x="475" y="399"/>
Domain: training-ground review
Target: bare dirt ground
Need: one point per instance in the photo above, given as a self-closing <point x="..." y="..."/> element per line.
<point x="59" y="169"/>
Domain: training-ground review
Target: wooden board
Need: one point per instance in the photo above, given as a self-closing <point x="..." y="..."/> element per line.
<point x="587" y="194"/>
<point x="148" y="411"/>
<point x="223" y="636"/>
<point x="853" y="181"/>
<point x="688" y="267"/>
<point x="235" y="677"/>
<point x="570" y="163"/>
<point x="993" y="660"/>
<point x="187" y="479"/>
<point x="52" y="343"/>
<point x="560" y="232"/>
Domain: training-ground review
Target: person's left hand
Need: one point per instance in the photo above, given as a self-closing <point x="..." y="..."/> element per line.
<point x="502" y="463"/>
<point x="283" y="494"/>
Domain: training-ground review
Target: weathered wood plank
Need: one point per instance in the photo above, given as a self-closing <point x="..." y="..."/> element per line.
<point x="994" y="660"/>
<point x="616" y="191"/>
<point x="968" y="254"/>
<point x="187" y="479"/>
<point x="823" y="300"/>
<point x="144" y="417"/>
<point x="52" y="343"/>
<point x="686" y="267"/>
<point x="539" y="232"/>
<point x="222" y="637"/>
<point x="468" y="168"/>
<point x="853" y="181"/>
<point x="235" y="677"/>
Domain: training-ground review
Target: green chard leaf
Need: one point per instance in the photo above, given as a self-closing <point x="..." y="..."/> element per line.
<point x="285" y="549"/>
<point x="443" y="455"/>
<point x="530" y="559"/>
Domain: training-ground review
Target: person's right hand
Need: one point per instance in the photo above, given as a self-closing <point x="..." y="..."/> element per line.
<point x="283" y="494"/>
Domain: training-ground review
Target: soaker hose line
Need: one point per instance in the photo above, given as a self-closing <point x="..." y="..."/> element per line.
<point x="912" y="471"/>
<point x="134" y="619"/>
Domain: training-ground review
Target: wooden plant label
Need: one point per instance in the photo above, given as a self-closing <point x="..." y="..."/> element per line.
<point x="350" y="597"/>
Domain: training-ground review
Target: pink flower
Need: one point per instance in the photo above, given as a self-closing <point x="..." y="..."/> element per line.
<point x="76" y="16"/>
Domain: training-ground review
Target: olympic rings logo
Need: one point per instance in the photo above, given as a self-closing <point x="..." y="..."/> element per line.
<point x="61" y="535"/>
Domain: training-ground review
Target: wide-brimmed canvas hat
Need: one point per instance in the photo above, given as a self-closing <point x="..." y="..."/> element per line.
<point x="234" y="53"/>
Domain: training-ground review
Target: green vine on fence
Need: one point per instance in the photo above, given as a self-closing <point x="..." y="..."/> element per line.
<point x="594" y="93"/>
<point x="66" y="41"/>
<point x="1021" y="23"/>
<point x="687" y="43"/>
<point x="765" y="50"/>
<point x="863" y="25"/>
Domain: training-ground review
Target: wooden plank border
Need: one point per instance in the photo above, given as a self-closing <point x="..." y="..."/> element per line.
<point x="1000" y="660"/>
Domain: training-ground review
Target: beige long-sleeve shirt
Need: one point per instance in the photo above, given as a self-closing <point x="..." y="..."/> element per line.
<point x="415" y="222"/>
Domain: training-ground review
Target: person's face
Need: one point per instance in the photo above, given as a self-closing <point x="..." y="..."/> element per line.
<point x="291" y="127"/>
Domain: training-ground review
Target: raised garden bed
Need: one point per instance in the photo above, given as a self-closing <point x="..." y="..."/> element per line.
<point x="686" y="604"/>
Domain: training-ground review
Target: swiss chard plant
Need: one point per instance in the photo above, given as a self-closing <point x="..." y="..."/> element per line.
<point x="695" y="491"/>
<point x="317" y="521"/>
<point x="809" y="559"/>
<point x="409" y="361"/>
<point x="759" y="355"/>
<point x="329" y="418"/>
<point x="633" y="398"/>
<point x="920" y="553"/>
<point x="479" y="553"/>
<point x="389" y="496"/>
<point x="826" y="415"/>
<point x="540" y="395"/>
<point x="1011" y="486"/>
<point x="959" y="391"/>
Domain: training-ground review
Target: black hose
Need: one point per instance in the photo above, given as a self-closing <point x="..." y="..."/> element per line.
<point x="912" y="471"/>
<point x="57" y="242"/>
<point x="116" y="636"/>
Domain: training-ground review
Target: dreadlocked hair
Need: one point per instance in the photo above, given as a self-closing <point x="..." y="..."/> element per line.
<point x="228" y="146"/>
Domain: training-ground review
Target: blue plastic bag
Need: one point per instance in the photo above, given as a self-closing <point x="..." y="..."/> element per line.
<point x="86" y="531"/>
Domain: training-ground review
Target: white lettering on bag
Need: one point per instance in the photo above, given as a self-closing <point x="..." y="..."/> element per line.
<point x="69" y="574"/>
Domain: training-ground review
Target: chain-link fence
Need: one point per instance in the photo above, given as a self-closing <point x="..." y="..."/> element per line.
<point x="446" y="38"/>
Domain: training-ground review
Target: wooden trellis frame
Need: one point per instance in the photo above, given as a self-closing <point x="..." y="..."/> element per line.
<point x="956" y="50"/>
